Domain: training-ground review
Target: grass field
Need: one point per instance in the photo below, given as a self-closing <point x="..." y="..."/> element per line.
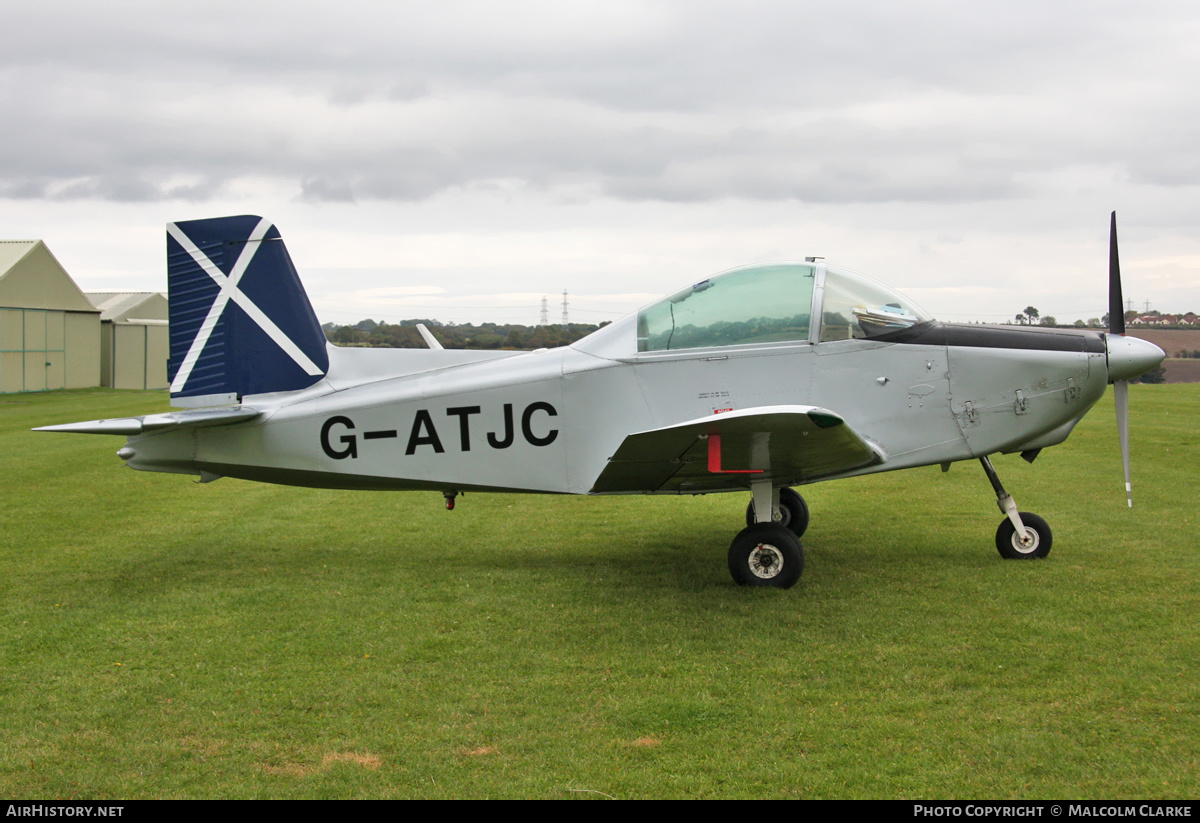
<point x="228" y="640"/>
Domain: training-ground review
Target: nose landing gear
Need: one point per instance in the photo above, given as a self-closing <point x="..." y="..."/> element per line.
<point x="1021" y="536"/>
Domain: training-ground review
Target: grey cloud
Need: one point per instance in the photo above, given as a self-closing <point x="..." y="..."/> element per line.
<point x="668" y="101"/>
<point x="321" y="190"/>
<point x="680" y="56"/>
<point x="114" y="188"/>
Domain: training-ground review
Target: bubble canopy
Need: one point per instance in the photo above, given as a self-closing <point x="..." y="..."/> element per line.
<point x="774" y="303"/>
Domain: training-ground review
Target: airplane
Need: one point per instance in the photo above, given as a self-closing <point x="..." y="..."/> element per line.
<point x="757" y="379"/>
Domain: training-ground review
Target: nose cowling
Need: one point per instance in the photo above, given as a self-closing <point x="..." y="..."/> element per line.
<point x="1129" y="357"/>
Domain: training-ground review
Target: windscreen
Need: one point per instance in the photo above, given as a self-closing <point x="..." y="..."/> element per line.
<point x="857" y="307"/>
<point x="768" y="303"/>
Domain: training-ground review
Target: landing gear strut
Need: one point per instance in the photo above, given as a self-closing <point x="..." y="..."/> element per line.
<point x="1021" y="535"/>
<point x="791" y="512"/>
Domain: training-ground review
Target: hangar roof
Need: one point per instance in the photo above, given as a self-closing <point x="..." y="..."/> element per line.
<point x="130" y="307"/>
<point x="31" y="278"/>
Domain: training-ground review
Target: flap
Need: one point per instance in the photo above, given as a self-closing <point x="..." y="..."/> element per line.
<point x="785" y="444"/>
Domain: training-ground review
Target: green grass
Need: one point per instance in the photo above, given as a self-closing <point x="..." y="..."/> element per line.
<point x="168" y="639"/>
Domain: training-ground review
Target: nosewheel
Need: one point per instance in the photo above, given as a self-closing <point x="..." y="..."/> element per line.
<point x="1036" y="543"/>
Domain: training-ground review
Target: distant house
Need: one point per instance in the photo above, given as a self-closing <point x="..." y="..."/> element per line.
<point x="1189" y="319"/>
<point x="134" y="339"/>
<point x="49" y="330"/>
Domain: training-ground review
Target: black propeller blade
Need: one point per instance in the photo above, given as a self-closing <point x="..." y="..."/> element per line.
<point x="1116" y="325"/>
<point x="1116" y="303"/>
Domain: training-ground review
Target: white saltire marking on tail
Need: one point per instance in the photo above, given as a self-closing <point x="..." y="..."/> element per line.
<point x="230" y="291"/>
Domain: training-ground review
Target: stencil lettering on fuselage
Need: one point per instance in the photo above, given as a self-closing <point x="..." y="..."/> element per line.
<point x="340" y="437"/>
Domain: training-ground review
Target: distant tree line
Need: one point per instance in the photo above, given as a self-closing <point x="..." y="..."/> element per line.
<point x="1031" y="317"/>
<point x="1158" y="374"/>
<point x="404" y="335"/>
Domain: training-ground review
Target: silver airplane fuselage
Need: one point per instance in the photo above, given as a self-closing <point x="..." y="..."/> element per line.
<point x="548" y="421"/>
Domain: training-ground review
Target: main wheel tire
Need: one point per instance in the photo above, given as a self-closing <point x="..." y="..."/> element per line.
<point x="793" y="512"/>
<point x="766" y="554"/>
<point x="1011" y="547"/>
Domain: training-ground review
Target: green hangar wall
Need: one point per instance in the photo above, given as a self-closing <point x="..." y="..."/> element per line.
<point x="49" y="330"/>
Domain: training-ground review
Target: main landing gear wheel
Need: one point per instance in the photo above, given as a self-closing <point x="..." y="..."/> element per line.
<point x="1037" y="544"/>
<point x="766" y="554"/>
<point x="793" y="512"/>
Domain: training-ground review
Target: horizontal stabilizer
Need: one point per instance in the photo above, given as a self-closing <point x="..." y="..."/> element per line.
<point x="157" y="422"/>
<point x="786" y="444"/>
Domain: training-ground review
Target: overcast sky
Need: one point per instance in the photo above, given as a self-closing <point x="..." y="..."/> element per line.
<point x="459" y="160"/>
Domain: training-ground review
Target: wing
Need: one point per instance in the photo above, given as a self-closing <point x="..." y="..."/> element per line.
<point x="786" y="444"/>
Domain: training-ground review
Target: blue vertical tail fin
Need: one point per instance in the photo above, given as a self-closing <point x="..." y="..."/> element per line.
<point x="241" y="322"/>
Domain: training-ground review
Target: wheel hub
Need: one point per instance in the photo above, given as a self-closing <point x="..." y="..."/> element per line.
<point x="766" y="561"/>
<point x="1026" y="544"/>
